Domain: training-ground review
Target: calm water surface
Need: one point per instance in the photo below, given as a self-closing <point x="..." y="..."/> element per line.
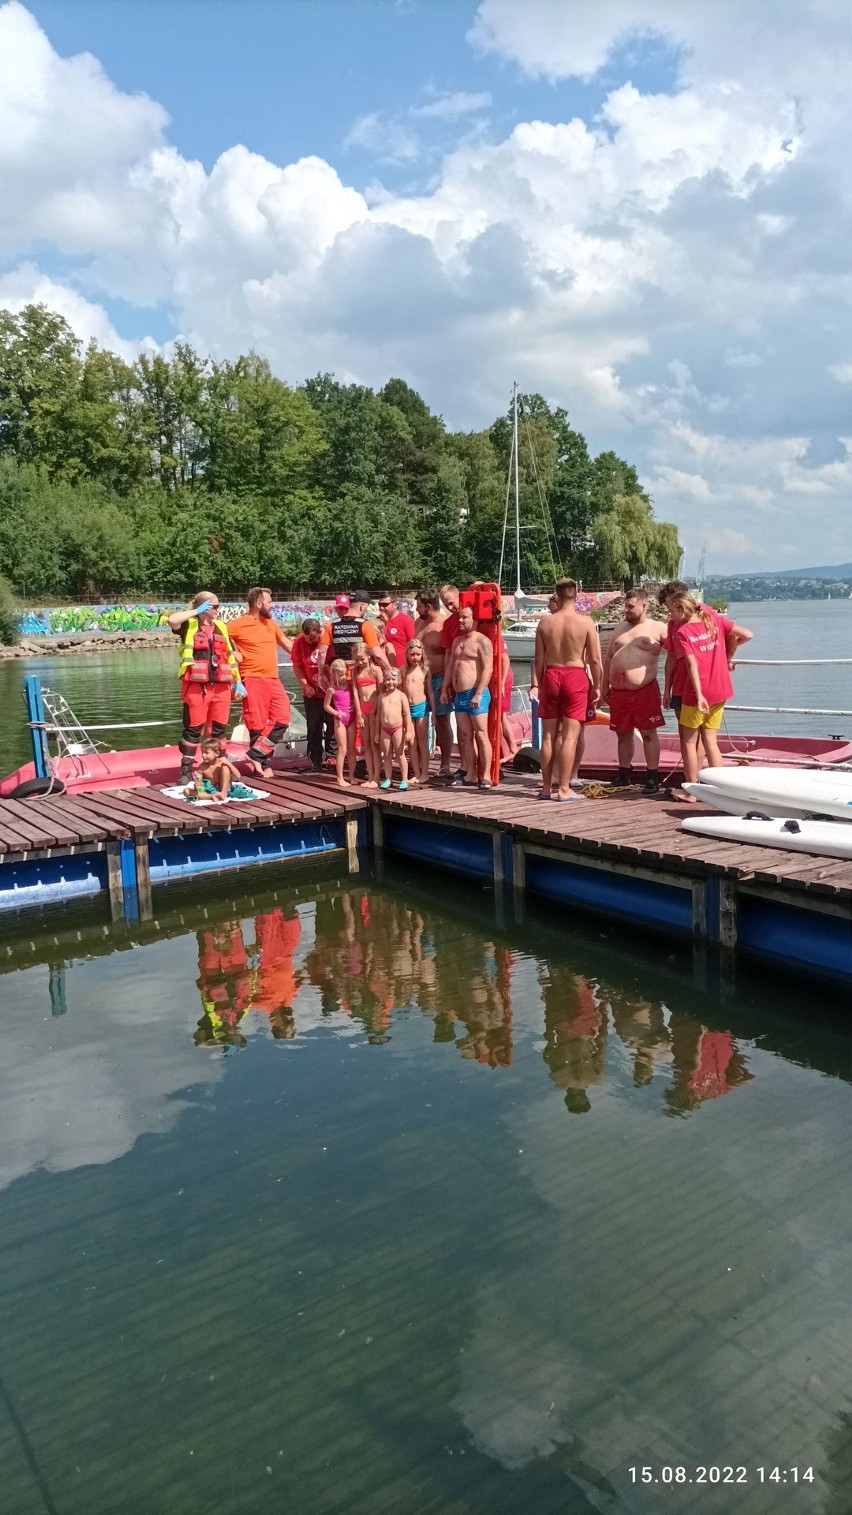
<point x="143" y="685"/>
<point x="342" y="1198"/>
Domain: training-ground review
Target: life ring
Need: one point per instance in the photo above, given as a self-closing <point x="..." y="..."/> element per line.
<point x="32" y="787"/>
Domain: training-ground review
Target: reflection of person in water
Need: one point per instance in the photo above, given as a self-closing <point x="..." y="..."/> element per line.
<point x="707" y="1064"/>
<point x="576" y="1031"/>
<point x="642" y="1028"/>
<point x="276" y="939"/>
<point x="229" y="987"/>
<point x="485" y="1007"/>
<point x="224" y="983"/>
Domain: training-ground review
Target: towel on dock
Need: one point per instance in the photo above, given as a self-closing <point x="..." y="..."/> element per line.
<point x="238" y="792"/>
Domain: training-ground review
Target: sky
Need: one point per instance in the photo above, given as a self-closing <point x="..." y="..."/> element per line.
<point x="641" y="209"/>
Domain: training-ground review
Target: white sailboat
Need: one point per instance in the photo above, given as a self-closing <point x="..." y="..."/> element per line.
<point x="519" y="631"/>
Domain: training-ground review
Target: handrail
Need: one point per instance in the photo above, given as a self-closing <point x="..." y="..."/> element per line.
<point x="786" y="710"/>
<point x="118" y="726"/>
<point x="786" y="662"/>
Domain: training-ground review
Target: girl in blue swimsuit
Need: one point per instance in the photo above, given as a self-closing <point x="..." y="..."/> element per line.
<point x="418" y="687"/>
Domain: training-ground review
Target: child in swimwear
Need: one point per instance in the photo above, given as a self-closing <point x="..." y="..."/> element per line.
<point x="418" y="689"/>
<point x="214" y="776"/>
<point x="365" y="690"/>
<point x="395" y="728"/>
<point x="340" y="705"/>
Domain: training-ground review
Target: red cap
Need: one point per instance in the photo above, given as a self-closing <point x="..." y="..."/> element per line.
<point x="342" y="602"/>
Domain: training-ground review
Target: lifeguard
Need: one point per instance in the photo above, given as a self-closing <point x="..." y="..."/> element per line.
<point x="266" y="704"/>
<point x="208" y="673"/>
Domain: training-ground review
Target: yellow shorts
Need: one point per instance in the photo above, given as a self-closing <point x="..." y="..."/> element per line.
<point x="694" y="719"/>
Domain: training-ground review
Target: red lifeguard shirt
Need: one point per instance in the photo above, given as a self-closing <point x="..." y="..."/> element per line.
<point x="398" y="632"/>
<point x="681" y="682"/>
<point x="450" y="630"/>
<point x="305" y="664"/>
<point x="707" y="645"/>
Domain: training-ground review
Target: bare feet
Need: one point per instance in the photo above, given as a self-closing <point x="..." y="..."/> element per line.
<point x="685" y="799"/>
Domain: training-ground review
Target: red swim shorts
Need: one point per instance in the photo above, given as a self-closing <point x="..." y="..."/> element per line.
<point x="564" y="692"/>
<point x="635" y="709"/>
<point x="267" y="704"/>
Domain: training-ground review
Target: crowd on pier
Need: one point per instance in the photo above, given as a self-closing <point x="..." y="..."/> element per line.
<point x="379" y="686"/>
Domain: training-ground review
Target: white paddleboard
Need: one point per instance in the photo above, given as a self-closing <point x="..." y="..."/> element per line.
<point x="820" y="790"/>
<point x="821" y="838"/>
<point x="741" y="804"/>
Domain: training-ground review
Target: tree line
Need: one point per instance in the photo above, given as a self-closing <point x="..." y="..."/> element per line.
<point x="155" y="476"/>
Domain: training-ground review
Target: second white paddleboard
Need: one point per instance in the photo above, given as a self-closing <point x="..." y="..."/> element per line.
<point x="821" y="838"/>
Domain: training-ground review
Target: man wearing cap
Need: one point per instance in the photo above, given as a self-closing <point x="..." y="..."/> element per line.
<point x="396" y="629"/>
<point x="351" y="626"/>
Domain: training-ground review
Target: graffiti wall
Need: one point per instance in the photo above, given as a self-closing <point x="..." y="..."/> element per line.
<point x="62" y="620"/>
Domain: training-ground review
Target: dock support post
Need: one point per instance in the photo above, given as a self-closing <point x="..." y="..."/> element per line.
<point x="699" y="912"/>
<point x="143" y="880"/>
<point x="727" y="915"/>
<point x="352" y="844"/>
<point x="519" y="881"/>
<point x="497" y="859"/>
<point x="115" y="881"/>
<point x="130" y="897"/>
<point x="378" y="840"/>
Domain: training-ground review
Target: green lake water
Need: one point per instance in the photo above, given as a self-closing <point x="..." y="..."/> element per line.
<point x="332" y="1196"/>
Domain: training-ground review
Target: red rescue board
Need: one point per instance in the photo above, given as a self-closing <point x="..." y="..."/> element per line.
<point x="486" y="603"/>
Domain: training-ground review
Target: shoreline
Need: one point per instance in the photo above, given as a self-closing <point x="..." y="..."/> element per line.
<point x="72" y="643"/>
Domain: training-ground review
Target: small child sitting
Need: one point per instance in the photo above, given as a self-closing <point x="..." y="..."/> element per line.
<point x="215" y="775"/>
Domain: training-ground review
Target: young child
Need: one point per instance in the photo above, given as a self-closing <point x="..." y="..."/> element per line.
<point x="339" y="704"/>
<point x="365" y="689"/>
<point x="418" y="690"/>
<point x="215" y="774"/>
<point x="395" y="727"/>
<point x="707" y="643"/>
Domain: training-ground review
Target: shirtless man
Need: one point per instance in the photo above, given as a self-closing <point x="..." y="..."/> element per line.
<point x="630" y="686"/>
<point x="565" y="643"/>
<point x="466" y="676"/>
<point x="429" y="627"/>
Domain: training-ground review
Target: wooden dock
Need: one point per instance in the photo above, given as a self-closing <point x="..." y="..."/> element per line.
<point x="623" y="856"/>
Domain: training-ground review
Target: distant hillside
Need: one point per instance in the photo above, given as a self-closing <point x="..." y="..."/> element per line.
<point x="787" y="586"/>
<point x="838" y="571"/>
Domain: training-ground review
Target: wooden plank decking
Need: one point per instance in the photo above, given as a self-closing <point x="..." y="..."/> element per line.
<point x="623" y="826"/>
<point x="629" y="826"/>
<point x="49" y="822"/>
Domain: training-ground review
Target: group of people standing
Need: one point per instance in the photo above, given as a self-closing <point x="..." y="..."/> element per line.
<point x="387" y="680"/>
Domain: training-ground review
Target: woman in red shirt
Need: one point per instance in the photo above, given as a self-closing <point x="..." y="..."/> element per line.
<point x="706" y="642"/>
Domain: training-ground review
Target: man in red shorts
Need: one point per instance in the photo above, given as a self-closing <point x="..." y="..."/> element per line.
<point x="565" y="643"/>
<point x="266" y="707"/>
<point x="630" y="685"/>
<point x="208" y="674"/>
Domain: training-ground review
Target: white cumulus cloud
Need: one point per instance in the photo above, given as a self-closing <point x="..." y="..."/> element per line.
<point x="672" y="267"/>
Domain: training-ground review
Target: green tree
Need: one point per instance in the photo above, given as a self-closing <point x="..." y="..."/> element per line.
<point x="630" y="543"/>
<point x="39" y="376"/>
<point x="263" y="437"/>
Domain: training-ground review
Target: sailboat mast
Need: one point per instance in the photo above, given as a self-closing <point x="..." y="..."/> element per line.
<point x="518" y="590"/>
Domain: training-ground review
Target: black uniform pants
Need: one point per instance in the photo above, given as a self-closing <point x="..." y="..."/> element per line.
<point x="320" y="730"/>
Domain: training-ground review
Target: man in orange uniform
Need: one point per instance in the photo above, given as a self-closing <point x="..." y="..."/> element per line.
<point x="266" y="707"/>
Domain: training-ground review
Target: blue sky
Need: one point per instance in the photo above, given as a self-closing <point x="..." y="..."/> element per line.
<point x="639" y="209"/>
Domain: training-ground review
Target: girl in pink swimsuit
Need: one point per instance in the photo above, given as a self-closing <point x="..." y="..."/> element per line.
<point x="365" y="690"/>
<point x="339" y="704"/>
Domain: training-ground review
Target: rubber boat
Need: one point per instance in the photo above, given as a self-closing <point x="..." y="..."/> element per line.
<point x="83" y="766"/>
<point x="820" y="838"/>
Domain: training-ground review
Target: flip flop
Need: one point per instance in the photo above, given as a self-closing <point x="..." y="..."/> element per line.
<point x="570" y="799"/>
<point x="542" y="796"/>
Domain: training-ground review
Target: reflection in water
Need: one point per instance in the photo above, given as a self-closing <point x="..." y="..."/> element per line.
<point x="373" y="954"/>
<point x="425" y="1286"/>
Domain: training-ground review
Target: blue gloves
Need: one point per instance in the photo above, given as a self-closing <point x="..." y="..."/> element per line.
<point x="205" y="605"/>
<point x="240" y="689"/>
